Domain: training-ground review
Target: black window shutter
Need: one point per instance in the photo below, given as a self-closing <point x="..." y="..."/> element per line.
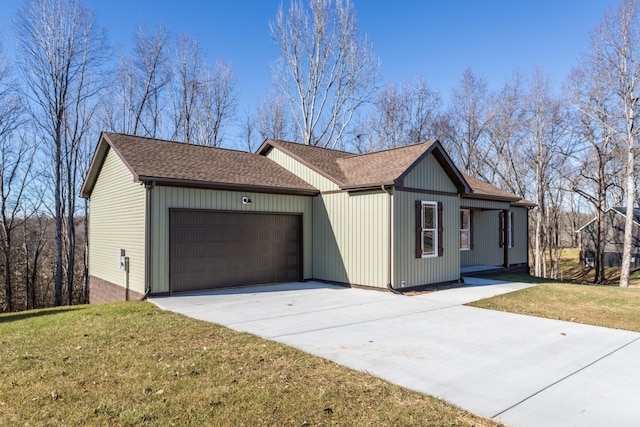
<point x="513" y="229"/>
<point x="440" y="229"/>
<point x="501" y="228"/>
<point x="418" y="232"/>
<point x="470" y="228"/>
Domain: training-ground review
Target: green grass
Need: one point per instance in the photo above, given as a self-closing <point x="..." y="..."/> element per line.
<point x="608" y="306"/>
<point x="131" y="364"/>
<point x="574" y="298"/>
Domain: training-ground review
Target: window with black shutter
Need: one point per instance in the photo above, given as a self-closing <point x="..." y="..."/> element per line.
<point x="428" y="229"/>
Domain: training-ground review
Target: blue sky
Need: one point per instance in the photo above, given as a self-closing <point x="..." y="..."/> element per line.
<point x="437" y="39"/>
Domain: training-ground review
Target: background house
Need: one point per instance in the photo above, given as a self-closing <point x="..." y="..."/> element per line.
<point x="170" y="217"/>
<point x="613" y="238"/>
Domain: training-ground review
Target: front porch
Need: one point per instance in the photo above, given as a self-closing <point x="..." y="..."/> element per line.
<point x="487" y="270"/>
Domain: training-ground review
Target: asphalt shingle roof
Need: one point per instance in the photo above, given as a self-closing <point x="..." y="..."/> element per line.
<point x="355" y="170"/>
<point x="481" y="188"/>
<point x="166" y="161"/>
<point x="177" y="163"/>
<point x="323" y="160"/>
<point x="381" y="167"/>
<point x="636" y="213"/>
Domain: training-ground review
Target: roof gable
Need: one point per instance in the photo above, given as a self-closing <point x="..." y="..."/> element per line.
<point x="174" y="163"/>
<point x="440" y="154"/>
<point x="359" y="171"/>
<point x="623" y="211"/>
<point x="322" y="160"/>
<point x="618" y="210"/>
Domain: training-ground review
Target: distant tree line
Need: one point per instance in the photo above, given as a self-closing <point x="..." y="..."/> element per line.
<point x="570" y="152"/>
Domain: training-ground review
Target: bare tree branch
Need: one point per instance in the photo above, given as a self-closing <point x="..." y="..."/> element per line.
<point x="325" y="71"/>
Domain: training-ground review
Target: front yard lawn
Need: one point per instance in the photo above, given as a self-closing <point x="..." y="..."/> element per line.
<point x="608" y="306"/>
<point x="131" y="364"/>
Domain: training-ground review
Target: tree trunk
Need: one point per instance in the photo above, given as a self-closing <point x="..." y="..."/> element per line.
<point x="58" y="214"/>
<point x="85" y="255"/>
<point x="71" y="226"/>
<point x="8" y="285"/>
<point x="538" y="254"/>
<point x="628" y="223"/>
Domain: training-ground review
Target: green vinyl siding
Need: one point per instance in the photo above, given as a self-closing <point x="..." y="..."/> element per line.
<point x="483" y="204"/>
<point x="429" y="175"/>
<point x="307" y="174"/>
<point x="351" y="238"/>
<point x="116" y="221"/>
<point x="165" y="198"/>
<point x="518" y="253"/>
<point x="422" y="271"/>
<point x="486" y="240"/>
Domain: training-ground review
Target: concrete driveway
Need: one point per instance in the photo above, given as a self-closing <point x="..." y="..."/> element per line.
<point x="521" y="370"/>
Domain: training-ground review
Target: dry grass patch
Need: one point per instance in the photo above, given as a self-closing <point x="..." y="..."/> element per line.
<point x="131" y="364"/>
<point x="572" y="270"/>
<point x="607" y="306"/>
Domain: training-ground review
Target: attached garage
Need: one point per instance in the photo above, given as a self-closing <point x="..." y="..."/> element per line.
<point x="215" y="249"/>
<point x="168" y="217"/>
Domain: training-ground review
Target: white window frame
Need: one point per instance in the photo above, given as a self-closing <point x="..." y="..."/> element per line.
<point x="468" y="229"/>
<point x="434" y="229"/>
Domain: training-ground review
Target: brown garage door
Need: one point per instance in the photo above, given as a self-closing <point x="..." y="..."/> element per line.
<point x="211" y="249"/>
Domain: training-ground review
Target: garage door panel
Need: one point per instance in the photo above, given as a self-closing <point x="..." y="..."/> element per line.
<point x="212" y="249"/>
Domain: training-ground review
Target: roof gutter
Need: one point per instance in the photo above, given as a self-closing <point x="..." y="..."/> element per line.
<point x="366" y="187"/>
<point x="176" y="182"/>
<point x="480" y="196"/>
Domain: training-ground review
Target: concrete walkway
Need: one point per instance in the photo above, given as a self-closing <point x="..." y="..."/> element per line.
<point x="521" y="370"/>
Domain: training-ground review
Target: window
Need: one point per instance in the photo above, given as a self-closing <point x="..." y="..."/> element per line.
<point x="465" y="229"/>
<point x="506" y="229"/>
<point x="428" y="229"/>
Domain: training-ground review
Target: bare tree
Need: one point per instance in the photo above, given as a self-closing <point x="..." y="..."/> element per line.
<point x="508" y="161"/>
<point x="218" y="104"/>
<point x="150" y="79"/>
<point x="616" y="53"/>
<point x="273" y="119"/>
<point x="544" y="133"/>
<point x="404" y="115"/>
<point x="469" y="117"/>
<point x="135" y="103"/>
<point x="16" y="162"/>
<point x="13" y="173"/>
<point x="188" y="61"/>
<point x="11" y="107"/>
<point x="60" y="50"/>
<point x="590" y="98"/>
<point x="248" y="134"/>
<point x="326" y="71"/>
<point x="34" y="228"/>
